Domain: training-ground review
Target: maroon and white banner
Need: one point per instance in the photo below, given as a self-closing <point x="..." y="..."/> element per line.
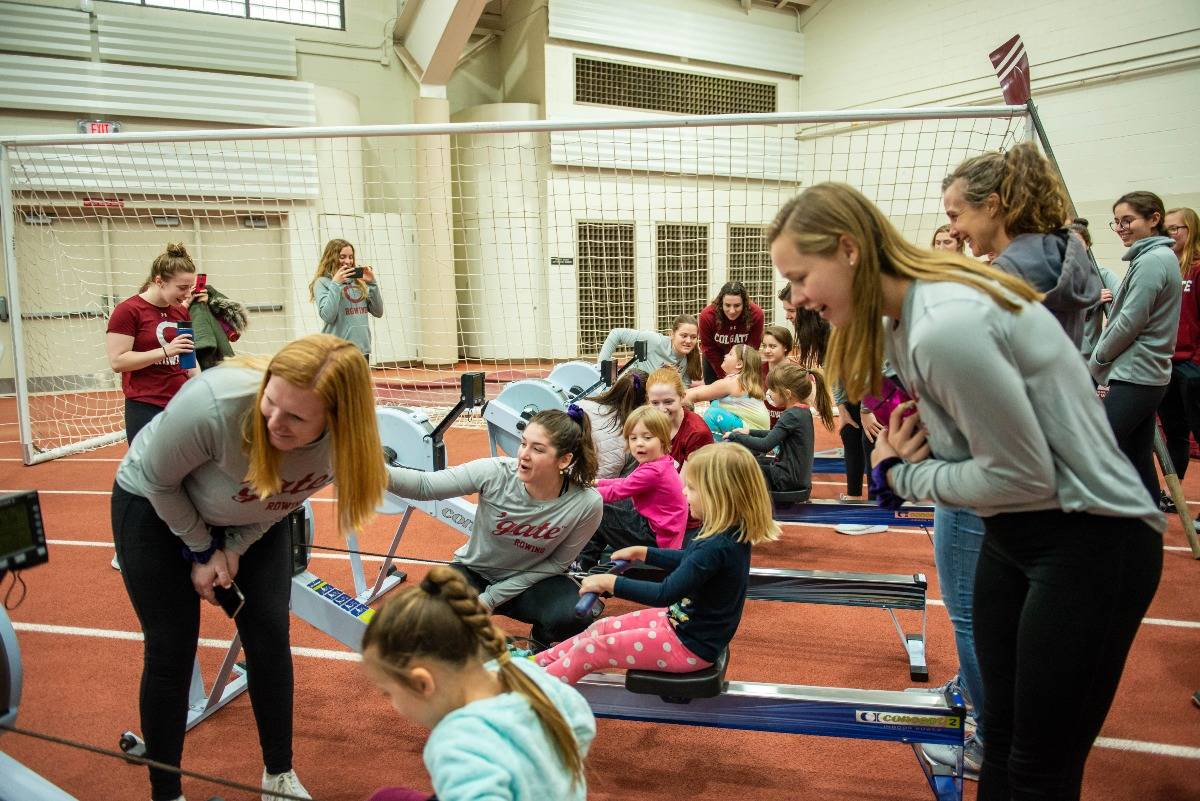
<point x="1012" y="67"/>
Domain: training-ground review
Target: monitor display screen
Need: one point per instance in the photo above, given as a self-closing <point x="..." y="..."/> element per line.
<point x="16" y="533"/>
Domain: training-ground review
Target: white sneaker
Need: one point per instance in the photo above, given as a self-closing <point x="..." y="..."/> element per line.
<point x="944" y="755"/>
<point x="117" y="566"/>
<point x="288" y="783"/>
<point x="857" y="529"/>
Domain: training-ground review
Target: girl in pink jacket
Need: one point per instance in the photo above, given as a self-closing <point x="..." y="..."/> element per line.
<point x="658" y="516"/>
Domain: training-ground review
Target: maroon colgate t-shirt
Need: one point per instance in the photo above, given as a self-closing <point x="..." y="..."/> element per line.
<point x="151" y="327"/>
<point x="693" y="434"/>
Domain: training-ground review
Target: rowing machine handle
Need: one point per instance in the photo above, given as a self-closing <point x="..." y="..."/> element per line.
<point x="584" y="608"/>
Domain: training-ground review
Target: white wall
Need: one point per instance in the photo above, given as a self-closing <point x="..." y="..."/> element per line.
<point x="1118" y="90"/>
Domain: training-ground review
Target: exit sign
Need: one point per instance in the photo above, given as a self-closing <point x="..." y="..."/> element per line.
<point x="99" y="127"/>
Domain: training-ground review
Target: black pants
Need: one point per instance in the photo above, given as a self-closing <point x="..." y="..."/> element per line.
<point x="856" y="449"/>
<point x="158" y="580"/>
<point x="1179" y="412"/>
<point x="710" y="375"/>
<point x="549" y="606"/>
<point x="137" y="415"/>
<point x="1058" y="600"/>
<point x="620" y="527"/>
<point x="1131" y="409"/>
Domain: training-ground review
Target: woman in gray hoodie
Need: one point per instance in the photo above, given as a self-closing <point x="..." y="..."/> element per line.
<point x="1133" y="354"/>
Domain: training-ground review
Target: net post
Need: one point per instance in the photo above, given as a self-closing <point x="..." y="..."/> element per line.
<point x="8" y="228"/>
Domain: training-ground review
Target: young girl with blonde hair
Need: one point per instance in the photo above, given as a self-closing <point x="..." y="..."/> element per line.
<point x="659" y="513"/>
<point x="1008" y="426"/>
<point x="497" y="725"/>
<point x="200" y="501"/>
<point x="696" y="610"/>
<point x="793" y="386"/>
<point x="345" y="294"/>
<point x="737" y="399"/>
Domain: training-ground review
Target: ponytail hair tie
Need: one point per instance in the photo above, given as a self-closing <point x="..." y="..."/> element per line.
<point x="637" y="383"/>
<point x="575" y="413"/>
<point x="430" y="587"/>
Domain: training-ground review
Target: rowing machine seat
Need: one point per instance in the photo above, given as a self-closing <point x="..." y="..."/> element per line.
<point x="707" y="682"/>
<point x="779" y="499"/>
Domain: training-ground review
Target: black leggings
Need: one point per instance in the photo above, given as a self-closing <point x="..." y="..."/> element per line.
<point x="548" y="605"/>
<point x="1058" y="599"/>
<point x="1131" y="409"/>
<point x="137" y="415"/>
<point x="856" y="450"/>
<point x="621" y="526"/>
<point x="158" y="580"/>
<point x="1179" y="412"/>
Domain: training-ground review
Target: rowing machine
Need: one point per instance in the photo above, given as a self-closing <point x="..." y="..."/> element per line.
<point x="705" y="698"/>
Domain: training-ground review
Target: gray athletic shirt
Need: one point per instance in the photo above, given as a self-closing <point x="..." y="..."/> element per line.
<point x="512" y="533"/>
<point x="343" y="309"/>
<point x="1012" y="419"/>
<point x="188" y="462"/>
<point x="659" y="351"/>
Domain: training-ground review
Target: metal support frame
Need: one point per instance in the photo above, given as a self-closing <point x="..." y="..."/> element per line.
<point x="864" y="513"/>
<point x="934" y="716"/>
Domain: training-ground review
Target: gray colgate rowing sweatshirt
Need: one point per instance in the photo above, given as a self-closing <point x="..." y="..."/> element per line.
<point x="188" y="462"/>
<point x="515" y="541"/>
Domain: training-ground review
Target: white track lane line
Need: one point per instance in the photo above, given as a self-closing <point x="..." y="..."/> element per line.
<point x="114" y="634"/>
<point x="1117" y="744"/>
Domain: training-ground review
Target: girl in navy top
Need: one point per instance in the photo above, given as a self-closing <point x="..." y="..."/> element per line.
<point x="696" y="610"/>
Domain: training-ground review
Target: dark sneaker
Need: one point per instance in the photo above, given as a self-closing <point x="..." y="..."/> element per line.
<point x="1165" y="504"/>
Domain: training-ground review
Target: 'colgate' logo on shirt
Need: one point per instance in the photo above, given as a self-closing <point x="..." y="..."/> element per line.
<point x="309" y="484"/>
<point x="543" y="531"/>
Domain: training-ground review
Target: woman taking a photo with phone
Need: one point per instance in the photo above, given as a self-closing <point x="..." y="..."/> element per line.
<point x="200" y="502"/>
<point x="345" y="294"/>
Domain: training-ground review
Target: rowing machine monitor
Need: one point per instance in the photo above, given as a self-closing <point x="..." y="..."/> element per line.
<point x="471" y="394"/>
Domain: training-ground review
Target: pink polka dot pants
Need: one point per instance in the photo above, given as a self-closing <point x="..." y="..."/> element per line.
<point x="641" y="640"/>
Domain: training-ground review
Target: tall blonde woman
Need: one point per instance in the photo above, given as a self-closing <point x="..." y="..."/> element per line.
<point x="1009" y="426"/>
<point x="200" y="501"/>
<point x="345" y="293"/>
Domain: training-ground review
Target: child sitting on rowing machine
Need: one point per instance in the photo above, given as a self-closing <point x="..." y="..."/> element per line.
<point x="495" y="722"/>
<point x="792" y="386"/>
<point x="660" y="512"/>
<point x="697" y="608"/>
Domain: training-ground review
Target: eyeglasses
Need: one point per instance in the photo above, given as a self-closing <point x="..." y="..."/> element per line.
<point x="1174" y="229"/>
<point x="1124" y="222"/>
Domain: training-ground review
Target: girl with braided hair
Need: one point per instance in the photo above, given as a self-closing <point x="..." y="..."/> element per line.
<point x="535" y="514"/>
<point x="499" y="728"/>
<point x="695" y="611"/>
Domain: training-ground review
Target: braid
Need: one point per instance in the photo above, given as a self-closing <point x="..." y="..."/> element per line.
<point x="442" y="618"/>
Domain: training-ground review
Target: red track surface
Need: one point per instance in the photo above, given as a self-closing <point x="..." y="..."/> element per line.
<point x="348" y="741"/>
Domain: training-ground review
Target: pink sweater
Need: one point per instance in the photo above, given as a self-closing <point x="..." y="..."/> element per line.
<point x="657" y="493"/>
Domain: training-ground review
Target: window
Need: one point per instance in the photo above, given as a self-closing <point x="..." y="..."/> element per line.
<point x="682" y="252"/>
<point x="318" y="13"/>
<point x="750" y="263"/>
<point x="609" y="83"/>
<point x="606" y="289"/>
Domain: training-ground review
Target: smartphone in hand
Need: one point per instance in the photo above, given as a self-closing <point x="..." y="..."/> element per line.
<point x="357" y="274"/>
<point x="201" y="283"/>
<point x="230" y="598"/>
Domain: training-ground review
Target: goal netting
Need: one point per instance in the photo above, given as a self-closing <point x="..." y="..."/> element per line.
<point x="502" y="247"/>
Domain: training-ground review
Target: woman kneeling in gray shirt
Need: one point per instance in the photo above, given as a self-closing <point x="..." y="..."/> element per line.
<point x="1073" y="546"/>
<point x="535" y="514"/>
<point x="200" y="502"/>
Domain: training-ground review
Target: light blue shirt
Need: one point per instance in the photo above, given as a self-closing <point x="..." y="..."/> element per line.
<point x="497" y="748"/>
